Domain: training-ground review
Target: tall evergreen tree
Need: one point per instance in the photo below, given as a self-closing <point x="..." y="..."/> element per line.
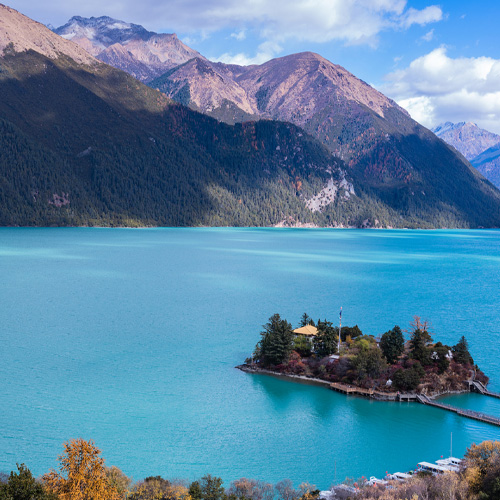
<point x="276" y="343"/>
<point x="418" y="345"/>
<point x="392" y="344"/>
<point x="306" y="320"/>
<point x="461" y="352"/>
<point x="325" y="342"/>
<point x="22" y="485"/>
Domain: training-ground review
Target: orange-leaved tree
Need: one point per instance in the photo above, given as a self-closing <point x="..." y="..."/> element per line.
<point x="82" y="474"/>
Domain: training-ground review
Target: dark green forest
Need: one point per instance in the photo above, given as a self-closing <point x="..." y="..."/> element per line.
<point x="84" y="146"/>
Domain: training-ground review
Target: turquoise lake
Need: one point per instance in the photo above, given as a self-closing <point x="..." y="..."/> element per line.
<point x="130" y="337"/>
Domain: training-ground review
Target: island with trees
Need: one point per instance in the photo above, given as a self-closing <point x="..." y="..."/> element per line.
<point x="381" y="367"/>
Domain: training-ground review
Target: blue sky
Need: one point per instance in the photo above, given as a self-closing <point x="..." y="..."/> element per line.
<point x="440" y="60"/>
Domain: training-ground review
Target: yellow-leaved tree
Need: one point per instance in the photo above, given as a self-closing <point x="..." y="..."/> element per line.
<point x="481" y="460"/>
<point x="82" y="474"/>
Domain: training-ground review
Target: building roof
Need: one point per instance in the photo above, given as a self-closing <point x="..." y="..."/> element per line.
<point x="306" y="330"/>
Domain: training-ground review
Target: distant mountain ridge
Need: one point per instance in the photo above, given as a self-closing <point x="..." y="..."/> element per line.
<point x="130" y="47"/>
<point x="479" y="146"/>
<point x="466" y="137"/>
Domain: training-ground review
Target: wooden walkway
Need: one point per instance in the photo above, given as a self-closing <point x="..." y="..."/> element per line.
<point x="349" y="389"/>
<point x="371" y="393"/>
<point x="477" y="386"/>
<point x="489" y="419"/>
<point x="420" y="398"/>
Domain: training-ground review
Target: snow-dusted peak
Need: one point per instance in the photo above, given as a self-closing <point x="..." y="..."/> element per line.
<point x="104" y="30"/>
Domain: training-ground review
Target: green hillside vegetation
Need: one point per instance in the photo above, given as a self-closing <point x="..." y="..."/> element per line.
<point x="88" y="145"/>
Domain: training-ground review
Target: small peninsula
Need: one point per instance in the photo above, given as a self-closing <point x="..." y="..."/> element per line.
<point x="388" y="367"/>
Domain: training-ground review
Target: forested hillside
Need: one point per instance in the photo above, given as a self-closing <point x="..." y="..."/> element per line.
<point x="86" y="144"/>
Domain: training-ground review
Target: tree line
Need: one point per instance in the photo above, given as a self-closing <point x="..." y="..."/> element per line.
<point x="83" y="475"/>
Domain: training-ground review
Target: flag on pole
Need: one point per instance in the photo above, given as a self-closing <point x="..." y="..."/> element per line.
<point x="340" y="314"/>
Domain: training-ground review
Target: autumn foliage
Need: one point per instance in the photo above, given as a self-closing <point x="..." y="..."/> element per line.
<point x="82" y="474"/>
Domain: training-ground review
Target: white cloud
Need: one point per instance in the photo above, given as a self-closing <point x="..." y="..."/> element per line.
<point x="428" y="36"/>
<point x="240" y="35"/>
<point x="348" y="21"/>
<point x="435" y="88"/>
<point x="352" y="22"/>
<point x="265" y="52"/>
<point x="428" y="15"/>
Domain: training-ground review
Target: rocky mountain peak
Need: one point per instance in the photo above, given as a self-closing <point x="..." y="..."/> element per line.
<point x="147" y="54"/>
<point x="466" y="137"/>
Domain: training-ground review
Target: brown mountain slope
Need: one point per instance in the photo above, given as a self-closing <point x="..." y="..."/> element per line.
<point x="19" y="33"/>
<point x="390" y="156"/>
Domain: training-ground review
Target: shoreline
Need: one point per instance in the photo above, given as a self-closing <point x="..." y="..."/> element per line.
<point x="377" y="396"/>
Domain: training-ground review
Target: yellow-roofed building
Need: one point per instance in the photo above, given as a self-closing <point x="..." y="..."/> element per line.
<point x="308" y="331"/>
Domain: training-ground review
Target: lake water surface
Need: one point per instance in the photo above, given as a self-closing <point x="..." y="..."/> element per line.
<point x="130" y="337"/>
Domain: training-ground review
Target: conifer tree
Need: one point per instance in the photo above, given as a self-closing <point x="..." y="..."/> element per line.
<point x="326" y="341"/>
<point x="22" y="485"/>
<point x="461" y="352"/>
<point x="392" y="344"/>
<point x="276" y="343"/>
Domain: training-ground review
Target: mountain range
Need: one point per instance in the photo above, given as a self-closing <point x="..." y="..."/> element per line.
<point x="479" y="146"/>
<point x="84" y="143"/>
<point x="371" y="133"/>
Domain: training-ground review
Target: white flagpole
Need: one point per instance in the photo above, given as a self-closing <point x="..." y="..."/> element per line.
<point x="340" y="327"/>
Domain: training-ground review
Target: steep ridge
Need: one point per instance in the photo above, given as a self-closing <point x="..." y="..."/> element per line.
<point x="130" y="47"/>
<point x="30" y="35"/>
<point x="488" y="163"/>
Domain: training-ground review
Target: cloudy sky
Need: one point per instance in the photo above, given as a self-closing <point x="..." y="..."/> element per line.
<point x="441" y="61"/>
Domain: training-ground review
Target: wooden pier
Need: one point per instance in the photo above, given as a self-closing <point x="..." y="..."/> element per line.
<point x="372" y="393"/>
<point x="489" y="419"/>
<point x="420" y="398"/>
<point x="476" y="386"/>
<point x="350" y="389"/>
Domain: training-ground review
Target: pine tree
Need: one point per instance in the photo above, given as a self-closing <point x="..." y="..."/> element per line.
<point x="461" y="352"/>
<point x="306" y="320"/>
<point x="392" y="344"/>
<point x="326" y="341"/>
<point x="420" y="338"/>
<point x="22" y="485"/>
<point x="276" y="343"/>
